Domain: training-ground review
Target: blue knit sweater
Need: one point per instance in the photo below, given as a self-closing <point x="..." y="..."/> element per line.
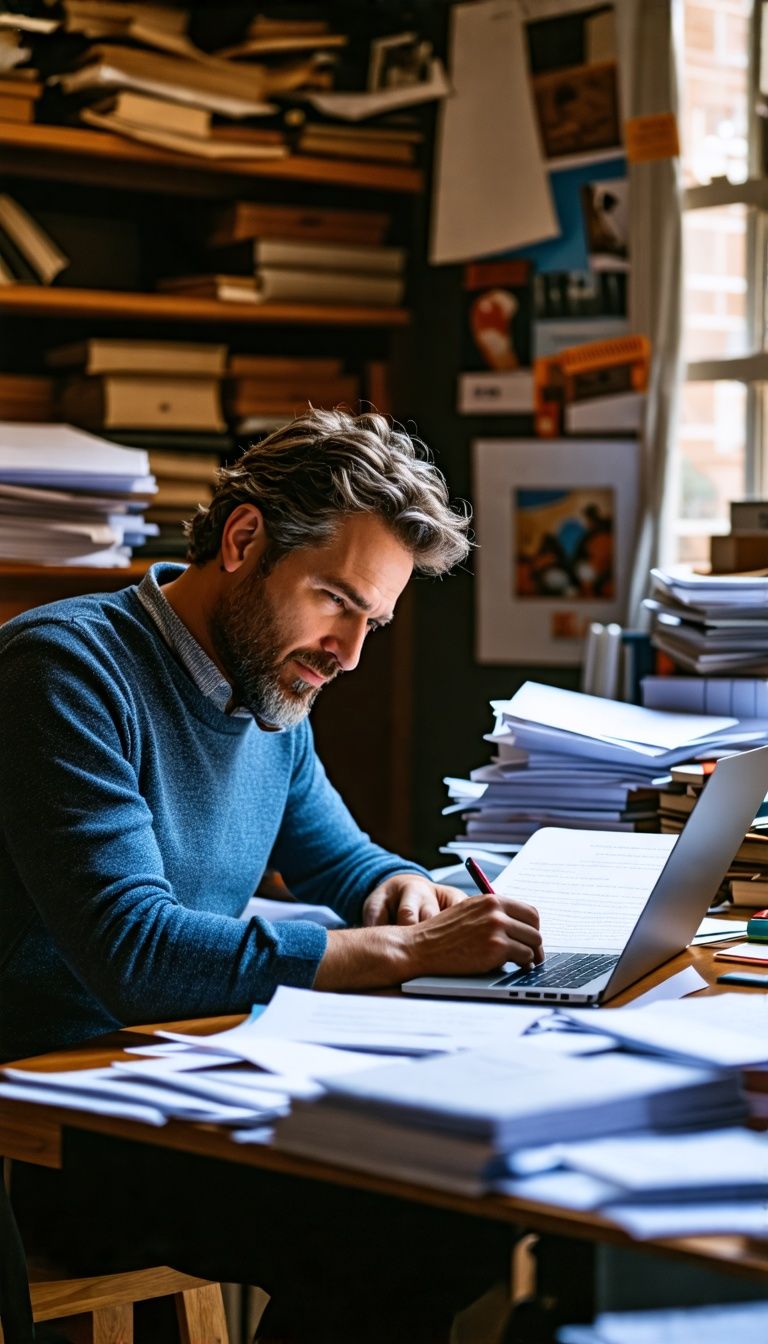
<point x="137" y="820"/>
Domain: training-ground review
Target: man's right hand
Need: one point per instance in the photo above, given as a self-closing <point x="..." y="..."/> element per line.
<point x="470" y="938"/>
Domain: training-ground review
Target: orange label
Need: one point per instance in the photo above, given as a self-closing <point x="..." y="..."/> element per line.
<point x="650" y="138"/>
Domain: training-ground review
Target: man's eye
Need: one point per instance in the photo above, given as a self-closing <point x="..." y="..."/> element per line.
<point x="336" y="600"/>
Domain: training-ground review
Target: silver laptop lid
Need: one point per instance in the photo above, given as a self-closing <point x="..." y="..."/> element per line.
<point x="696" y="866"/>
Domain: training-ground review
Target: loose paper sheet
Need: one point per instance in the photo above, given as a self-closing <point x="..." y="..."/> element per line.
<point x="406" y="1026"/>
<point x="491" y="187"/>
<point x="589" y="887"/>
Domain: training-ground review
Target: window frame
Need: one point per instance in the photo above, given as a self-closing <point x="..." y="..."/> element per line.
<point x="752" y="369"/>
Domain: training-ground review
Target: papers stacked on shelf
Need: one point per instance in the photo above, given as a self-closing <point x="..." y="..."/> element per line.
<point x="712" y="624"/>
<point x="69" y="498"/>
<point x="580" y="761"/>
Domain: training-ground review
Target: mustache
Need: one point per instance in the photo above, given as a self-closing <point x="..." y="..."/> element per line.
<point x="325" y="665"/>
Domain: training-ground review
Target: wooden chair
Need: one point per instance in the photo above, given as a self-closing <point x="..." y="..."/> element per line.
<point x="99" y="1310"/>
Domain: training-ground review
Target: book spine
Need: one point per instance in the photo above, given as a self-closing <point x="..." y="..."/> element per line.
<point x="16" y="262"/>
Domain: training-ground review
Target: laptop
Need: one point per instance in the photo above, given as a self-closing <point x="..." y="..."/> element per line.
<point x="676" y="904"/>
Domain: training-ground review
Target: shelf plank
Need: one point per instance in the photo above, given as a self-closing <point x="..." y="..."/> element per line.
<point x="74" y="143"/>
<point x="25" y="586"/>
<point x="114" y="576"/>
<point x="42" y="301"/>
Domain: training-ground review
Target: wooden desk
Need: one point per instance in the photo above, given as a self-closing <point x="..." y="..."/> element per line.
<point x="33" y="1133"/>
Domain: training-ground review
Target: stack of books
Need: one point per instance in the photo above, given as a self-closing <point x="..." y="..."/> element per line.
<point x="273" y="36"/>
<point x="711" y="624"/>
<point x="163" y="397"/>
<point x="261" y="253"/>
<point x="149" y="51"/>
<point x="746" y="882"/>
<point x="381" y="143"/>
<point x="141" y="385"/>
<point x="183" y="128"/>
<point x="247" y="220"/>
<point x="69" y="498"/>
<point x="264" y="390"/>
<point x="581" y="762"/>
<point x="184" y="480"/>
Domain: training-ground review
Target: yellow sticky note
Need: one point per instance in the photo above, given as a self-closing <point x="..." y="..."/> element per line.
<point x="652" y="137"/>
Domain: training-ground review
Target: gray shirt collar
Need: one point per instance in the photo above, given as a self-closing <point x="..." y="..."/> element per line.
<point x="204" y="673"/>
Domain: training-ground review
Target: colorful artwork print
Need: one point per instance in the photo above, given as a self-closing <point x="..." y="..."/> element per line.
<point x="563" y="543"/>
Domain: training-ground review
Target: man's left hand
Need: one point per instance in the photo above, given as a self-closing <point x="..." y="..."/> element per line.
<point x="408" y="899"/>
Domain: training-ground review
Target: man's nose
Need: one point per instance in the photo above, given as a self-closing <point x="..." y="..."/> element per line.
<point x="346" y="644"/>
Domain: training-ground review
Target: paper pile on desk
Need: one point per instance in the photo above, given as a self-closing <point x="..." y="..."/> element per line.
<point x="653" y="1184"/>
<point x="727" y="1031"/>
<point x="745" y="1321"/>
<point x="452" y="1121"/>
<point x="580" y="762"/>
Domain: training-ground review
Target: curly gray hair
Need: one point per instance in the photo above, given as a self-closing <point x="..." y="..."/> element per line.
<point x="326" y="464"/>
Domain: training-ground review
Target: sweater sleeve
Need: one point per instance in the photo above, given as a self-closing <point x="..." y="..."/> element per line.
<point x="320" y="850"/>
<point x="81" y="838"/>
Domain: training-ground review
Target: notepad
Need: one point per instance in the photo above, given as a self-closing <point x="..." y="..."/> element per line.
<point x="754" y="953"/>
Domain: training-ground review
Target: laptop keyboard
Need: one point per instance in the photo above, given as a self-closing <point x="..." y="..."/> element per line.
<point x="563" y="970"/>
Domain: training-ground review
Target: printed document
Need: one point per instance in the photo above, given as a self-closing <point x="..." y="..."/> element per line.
<point x="589" y="887"/>
<point x="396" y="1025"/>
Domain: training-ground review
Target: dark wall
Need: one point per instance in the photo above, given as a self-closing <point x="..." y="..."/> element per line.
<point x="451" y="690"/>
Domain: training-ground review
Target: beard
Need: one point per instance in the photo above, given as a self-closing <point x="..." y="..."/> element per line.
<point x="247" y="637"/>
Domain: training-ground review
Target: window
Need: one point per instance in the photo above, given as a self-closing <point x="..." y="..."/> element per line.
<point x="719" y="455"/>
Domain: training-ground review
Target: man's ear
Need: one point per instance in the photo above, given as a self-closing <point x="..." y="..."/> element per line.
<point x="244" y="537"/>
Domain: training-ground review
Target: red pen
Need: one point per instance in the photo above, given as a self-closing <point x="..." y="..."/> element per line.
<point x="478" y="877"/>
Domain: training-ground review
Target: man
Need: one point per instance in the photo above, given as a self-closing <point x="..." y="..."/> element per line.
<point x="156" y="756"/>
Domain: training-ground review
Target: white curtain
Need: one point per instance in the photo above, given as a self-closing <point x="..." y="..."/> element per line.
<point x="648" y="42"/>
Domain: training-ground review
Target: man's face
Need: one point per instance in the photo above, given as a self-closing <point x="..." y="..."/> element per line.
<point x="280" y="638"/>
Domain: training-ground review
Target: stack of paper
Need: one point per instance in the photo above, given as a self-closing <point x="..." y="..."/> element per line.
<point x="452" y="1121"/>
<point x="653" y="1184"/>
<point x="69" y="498"/>
<point x="483" y="1096"/>
<point x="745" y="1321"/>
<point x="580" y="761"/>
<point x="712" y="624"/>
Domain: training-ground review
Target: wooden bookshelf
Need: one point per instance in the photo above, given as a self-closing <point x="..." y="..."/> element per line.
<point x="25" y="586"/>
<point x="74" y="153"/>
<point x="127" y="305"/>
<point x="58" y="156"/>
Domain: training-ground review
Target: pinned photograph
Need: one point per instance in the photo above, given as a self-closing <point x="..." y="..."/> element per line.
<point x="555" y="522"/>
<point x="399" y="62"/>
<point x="563" y="543"/>
<point x="496" y="375"/>
<point x="606" y="223"/>
<point x="573" y="67"/>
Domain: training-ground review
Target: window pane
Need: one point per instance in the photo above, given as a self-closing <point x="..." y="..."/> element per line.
<point x="711" y="462"/>
<point x="714" y="89"/>
<point x="715" y="283"/>
<point x="711" y="456"/>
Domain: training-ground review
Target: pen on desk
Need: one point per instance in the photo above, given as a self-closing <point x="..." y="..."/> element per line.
<point x="478" y="877"/>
